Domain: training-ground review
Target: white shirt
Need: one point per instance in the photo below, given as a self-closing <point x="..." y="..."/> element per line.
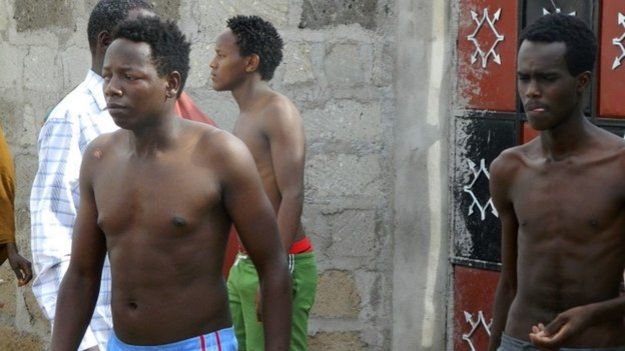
<point x="78" y="119"/>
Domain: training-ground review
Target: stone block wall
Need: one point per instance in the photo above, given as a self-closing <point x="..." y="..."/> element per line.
<point x="338" y="69"/>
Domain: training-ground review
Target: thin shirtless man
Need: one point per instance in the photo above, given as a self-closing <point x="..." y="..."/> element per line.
<point x="561" y="201"/>
<point x="246" y="56"/>
<point x="159" y="196"/>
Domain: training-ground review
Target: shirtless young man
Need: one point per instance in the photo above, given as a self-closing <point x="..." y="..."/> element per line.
<point x="561" y="201"/>
<point x="246" y="56"/>
<point x="55" y="197"/>
<point x="159" y="196"/>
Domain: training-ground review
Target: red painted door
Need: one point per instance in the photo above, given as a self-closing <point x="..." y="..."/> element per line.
<point x="487" y="54"/>
<point x="612" y="60"/>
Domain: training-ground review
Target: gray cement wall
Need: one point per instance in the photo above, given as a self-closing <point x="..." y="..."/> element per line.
<point x="371" y="80"/>
<point x="424" y="78"/>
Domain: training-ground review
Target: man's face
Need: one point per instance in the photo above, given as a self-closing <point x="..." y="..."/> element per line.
<point x="133" y="89"/>
<point x="548" y="91"/>
<point x="227" y="67"/>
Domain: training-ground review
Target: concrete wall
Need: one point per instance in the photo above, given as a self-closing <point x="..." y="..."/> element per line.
<point x="369" y="77"/>
<point x="423" y="82"/>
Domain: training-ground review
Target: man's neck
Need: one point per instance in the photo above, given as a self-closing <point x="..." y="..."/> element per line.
<point x="156" y="137"/>
<point x="96" y="63"/>
<point x="249" y="92"/>
<point x="96" y="70"/>
<point x="566" y="139"/>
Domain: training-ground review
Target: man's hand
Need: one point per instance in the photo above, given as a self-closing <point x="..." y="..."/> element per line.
<point x="565" y="325"/>
<point x="21" y="266"/>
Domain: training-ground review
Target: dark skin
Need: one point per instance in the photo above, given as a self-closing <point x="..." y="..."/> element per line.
<point x="165" y="230"/>
<point x="98" y="50"/>
<point x="272" y="129"/>
<point x="20" y="266"/>
<point x="561" y="202"/>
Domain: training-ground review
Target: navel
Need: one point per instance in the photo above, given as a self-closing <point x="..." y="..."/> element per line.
<point x="179" y="221"/>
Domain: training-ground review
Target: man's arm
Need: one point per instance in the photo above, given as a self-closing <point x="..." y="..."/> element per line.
<point x="500" y="177"/>
<point x="21" y="266"/>
<point x="570" y="322"/>
<point x="250" y="209"/>
<point x="79" y="290"/>
<point x="286" y="138"/>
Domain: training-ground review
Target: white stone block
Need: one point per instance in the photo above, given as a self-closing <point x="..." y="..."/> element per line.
<point x="41" y="70"/>
<point x="11" y="66"/>
<point x="344" y="120"/>
<point x="297" y="65"/>
<point x="346" y="65"/>
<point x="343" y="175"/>
<point x="76" y="61"/>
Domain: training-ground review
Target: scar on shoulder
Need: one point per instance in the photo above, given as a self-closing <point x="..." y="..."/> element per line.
<point x="97" y="153"/>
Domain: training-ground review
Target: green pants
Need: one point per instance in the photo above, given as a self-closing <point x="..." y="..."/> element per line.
<point x="242" y="287"/>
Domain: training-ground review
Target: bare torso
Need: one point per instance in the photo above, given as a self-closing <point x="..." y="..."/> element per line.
<point x="166" y="232"/>
<point x="250" y="127"/>
<point x="571" y="237"/>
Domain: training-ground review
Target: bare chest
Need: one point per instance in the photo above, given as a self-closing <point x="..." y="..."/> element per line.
<point x="166" y="194"/>
<point x="571" y="199"/>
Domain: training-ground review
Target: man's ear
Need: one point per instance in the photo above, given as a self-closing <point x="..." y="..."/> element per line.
<point x="173" y="84"/>
<point x="104" y="40"/>
<point x="252" y="63"/>
<point x="583" y="80"/>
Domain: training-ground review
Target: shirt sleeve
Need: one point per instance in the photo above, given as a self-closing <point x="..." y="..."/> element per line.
<point x="53" y="204"/>
<point x="7" y="193"/>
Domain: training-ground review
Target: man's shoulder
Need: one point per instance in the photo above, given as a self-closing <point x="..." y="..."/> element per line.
<point x="106" y="142"/>
<point x="279" y="114"/>
<point x="277" y="108"/>
<point x="278" y="99"/>
<point x="608" y="146"/>
<point x="277" y="102"/>
<point x="209" y="139"/>
<point x="217" y="146"/>
<point x="515" y="153"/>
<point x="607" y="139"/>
<point x="509" y="160"/>
<point x="616" y="146"/>
<point x="73" y="104"/>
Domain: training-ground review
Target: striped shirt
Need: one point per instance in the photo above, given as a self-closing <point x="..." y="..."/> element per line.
<point x="78" y="119"/>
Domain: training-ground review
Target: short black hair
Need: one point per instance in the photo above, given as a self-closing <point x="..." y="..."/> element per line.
<point x="260" y="37"/>
<point x="107" y="14"/>
<point x="580" y="41"/>
<point x="170" y="48"/>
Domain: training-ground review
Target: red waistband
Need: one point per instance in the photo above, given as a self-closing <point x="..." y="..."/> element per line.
<point x="301" y="246"/>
